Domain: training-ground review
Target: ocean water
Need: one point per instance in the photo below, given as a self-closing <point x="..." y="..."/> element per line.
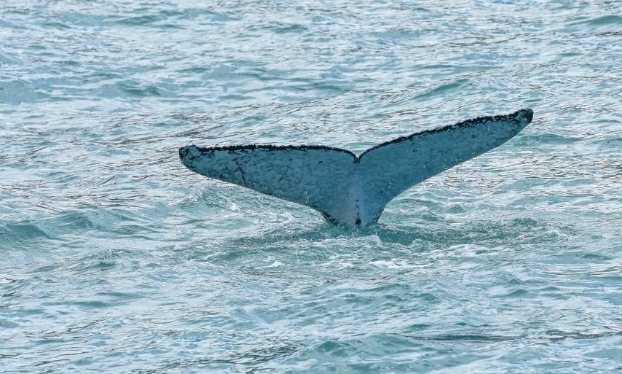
<point x="115" y="258"/>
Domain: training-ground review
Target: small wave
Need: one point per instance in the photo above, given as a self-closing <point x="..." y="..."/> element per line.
<point x="14" y="235"/>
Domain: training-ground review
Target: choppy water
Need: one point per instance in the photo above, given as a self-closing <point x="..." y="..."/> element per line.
<point x="115" y="258"/>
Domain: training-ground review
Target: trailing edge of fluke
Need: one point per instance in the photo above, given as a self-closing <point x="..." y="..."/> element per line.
<point x="348" y="189"/>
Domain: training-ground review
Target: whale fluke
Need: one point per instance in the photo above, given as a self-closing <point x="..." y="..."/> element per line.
<point x="347" y="189"/>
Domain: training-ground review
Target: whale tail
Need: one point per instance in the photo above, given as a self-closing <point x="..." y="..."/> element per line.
<point x="347" y="189"/>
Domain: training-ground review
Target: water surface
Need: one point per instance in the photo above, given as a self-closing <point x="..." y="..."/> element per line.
<point x="115" y="258"/>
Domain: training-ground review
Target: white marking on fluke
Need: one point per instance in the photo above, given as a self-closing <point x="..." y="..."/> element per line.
<point x="347" y="189"/>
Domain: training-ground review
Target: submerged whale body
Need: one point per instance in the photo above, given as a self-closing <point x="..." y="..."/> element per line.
<point x="347" y="189"/>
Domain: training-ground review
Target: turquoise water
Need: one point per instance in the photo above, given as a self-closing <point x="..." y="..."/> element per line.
<point x="115" y="258"/>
